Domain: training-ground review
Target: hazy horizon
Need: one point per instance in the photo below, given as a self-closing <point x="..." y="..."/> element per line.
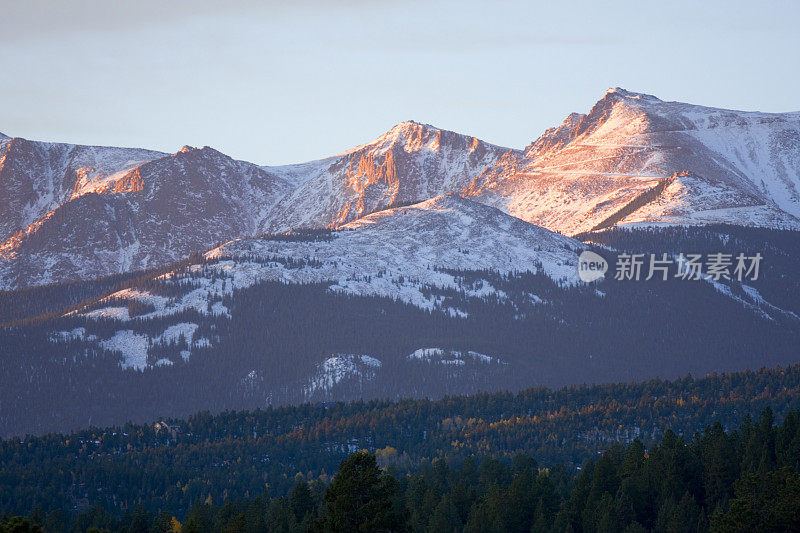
<point x="276" y="84"/>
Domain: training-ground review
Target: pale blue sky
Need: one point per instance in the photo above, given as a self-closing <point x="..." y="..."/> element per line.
<point x="275" y="83"/>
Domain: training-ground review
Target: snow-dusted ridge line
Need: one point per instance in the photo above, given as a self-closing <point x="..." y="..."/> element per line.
<point x="399" y="131"/>
<point x="410" y="162"/>
<point x="649" y="98"/>
<point x="394" y="254"/>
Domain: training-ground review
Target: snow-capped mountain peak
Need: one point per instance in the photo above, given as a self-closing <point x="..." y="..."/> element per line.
<point x="619" y="92"/>
<point x="409" y="163"/>
<point x="595" y="168"/>
<point x="409" y="135"/>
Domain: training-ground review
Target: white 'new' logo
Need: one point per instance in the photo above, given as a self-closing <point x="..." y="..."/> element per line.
<point x="591" y="266"/>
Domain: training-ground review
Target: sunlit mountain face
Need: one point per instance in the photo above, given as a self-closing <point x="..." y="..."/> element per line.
<point x="410" y="163"/>
<point x="676" y="163"/>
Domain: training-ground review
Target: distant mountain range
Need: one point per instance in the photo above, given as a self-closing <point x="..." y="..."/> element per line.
<point x="73" y="212"/>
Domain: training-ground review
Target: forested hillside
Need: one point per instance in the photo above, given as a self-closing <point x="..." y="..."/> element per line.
<point x="234" y="456"/>
<point x="743" y="480"/>
<point x="276" y="343"/>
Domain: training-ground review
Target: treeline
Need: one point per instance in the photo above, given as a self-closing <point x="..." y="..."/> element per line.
<point x="39" y="304"/>
<point x="299" y="235"/>
<point x="744" y="480"/>
<point x="240" y="455"/>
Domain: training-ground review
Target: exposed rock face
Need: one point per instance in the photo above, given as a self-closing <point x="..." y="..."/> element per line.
<point x="410" y="163"/>
<point x="150" y="215"/>
<point x="37" y="177"/>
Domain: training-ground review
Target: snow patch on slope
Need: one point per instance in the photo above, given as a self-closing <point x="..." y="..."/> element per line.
<point x="451" y="357"/>
<point x="173" y="333"/>
<point x="116" y="313"/>
<point x="132" y="346"/>
<point x="341" y="367"/>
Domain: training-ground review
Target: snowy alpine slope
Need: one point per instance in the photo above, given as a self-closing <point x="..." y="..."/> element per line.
<point x="728" y="166"/>
<point x="395" y="253"/>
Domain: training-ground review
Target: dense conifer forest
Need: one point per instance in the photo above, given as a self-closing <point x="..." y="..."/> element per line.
<point x="742" y="480"/>
<point x="246" y="463"/>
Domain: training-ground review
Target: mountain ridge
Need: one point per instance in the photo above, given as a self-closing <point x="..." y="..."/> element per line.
<point x="410" y="162"/>
<point x="37" y="177"/>
<point x="143" y="217"/>
<point x="720" y="166"/>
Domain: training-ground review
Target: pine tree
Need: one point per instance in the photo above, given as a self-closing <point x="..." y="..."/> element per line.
<point x="360" y="498"/>
<point x="301" y="501"/>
